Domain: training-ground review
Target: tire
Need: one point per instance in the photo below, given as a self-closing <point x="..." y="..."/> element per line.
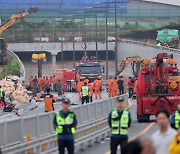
<point x="143" y="118"/>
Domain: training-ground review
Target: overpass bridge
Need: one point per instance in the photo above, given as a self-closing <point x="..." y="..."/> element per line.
<point x="55" y="48"/>
<point x="92" y="117"/>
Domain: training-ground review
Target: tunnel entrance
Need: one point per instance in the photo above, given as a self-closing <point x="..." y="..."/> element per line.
<point x="68" y="55"/>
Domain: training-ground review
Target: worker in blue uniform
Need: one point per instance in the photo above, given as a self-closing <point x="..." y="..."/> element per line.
<point x="65" y="123"/>
<point x="119" y="120"/>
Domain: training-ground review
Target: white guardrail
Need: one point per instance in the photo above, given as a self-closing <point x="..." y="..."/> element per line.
<point x="153" y="46"/>
<point x="92" y="126"/>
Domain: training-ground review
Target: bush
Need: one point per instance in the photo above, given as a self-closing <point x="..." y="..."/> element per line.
<point x="12" y="68"/>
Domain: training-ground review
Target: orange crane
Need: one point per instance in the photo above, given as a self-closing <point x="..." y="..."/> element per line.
<point x="13" y="18"/>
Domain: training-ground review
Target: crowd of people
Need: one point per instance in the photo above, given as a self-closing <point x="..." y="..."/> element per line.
<point x="116" y="87"/>
<point x="38" y="84"/>
<point x="165" y="140"/>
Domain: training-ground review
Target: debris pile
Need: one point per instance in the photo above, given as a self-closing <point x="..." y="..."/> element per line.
<point x="14" y="90"/>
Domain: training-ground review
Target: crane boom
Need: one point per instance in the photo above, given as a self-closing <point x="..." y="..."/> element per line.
<point x="15" y="17"/>
<point x="127" y="61"/>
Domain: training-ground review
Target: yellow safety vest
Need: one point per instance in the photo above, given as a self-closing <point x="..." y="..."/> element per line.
<point x="119" y="126"/>
<point x="177" y="120"/>
<point x="64" y="125"/>
<point x="85" y="91"/>
<point x="1" y="92"/>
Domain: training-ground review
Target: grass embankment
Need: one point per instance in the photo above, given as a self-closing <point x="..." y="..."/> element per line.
<point x="12" y="68"/>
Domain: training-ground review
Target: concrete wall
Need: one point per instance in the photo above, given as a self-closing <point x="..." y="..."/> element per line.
<point x="132" y="49"/>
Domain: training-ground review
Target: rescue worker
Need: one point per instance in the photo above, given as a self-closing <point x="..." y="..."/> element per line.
<point x="114" y="87"/>
<point x="31" y="81"/>
<point x="110" y="88"/>
<point x="65" y="123"/>
<point x="119" y="120"/>
<point x="86" y="80"/>
<point x="130" y="87"/>
<point x="59" y="88"/>
<point x="97" y="88"/>
<point x="35" y="80"/>
<point x="159" y="44"/>
<point x="121" y="85"/>
<point x="91" y="89"/>
<point x="175" y="118"/>
<point x="40" y="83"/>
<point x="174" y="147"/>
<point x="78" y="88"/>
<point x="85" y="93"/>
<point x="48" y="100"/>
<point x="2" y="95"/>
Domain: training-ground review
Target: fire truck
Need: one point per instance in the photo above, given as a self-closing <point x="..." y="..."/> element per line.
<point x="158" y="86"/>
<point x="90" y="68"/>
<point x="67" y="77"/>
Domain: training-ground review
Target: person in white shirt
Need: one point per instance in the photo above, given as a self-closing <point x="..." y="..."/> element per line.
<point x="163" y="137"/>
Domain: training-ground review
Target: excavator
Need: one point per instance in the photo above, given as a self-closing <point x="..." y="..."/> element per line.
<point x="13" y="19"/>
<point x="135" y="61"/>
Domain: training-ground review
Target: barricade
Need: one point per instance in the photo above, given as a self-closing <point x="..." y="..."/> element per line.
<point x="92" y="120"/>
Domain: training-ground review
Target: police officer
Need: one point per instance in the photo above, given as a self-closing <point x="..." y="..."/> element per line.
<point x="119" y="120"/>
<point x="175" y="118"/>
<point x="65" y="125"/>
<point x="85" y="93"/>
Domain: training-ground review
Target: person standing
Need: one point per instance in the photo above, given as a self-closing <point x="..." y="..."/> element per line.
<point x="65" y="123"/>
<point x="121" y="85"/>
<point x="97" y="88"/>
<point x="91" y="89"/>
<point x="115" y="87"/>
<point x="85" y="93"/>
<point x="59" y="87"/>
<point x="48" y="101"/>
<point x="119" y="120"/>
<point x="130" y="87"/>
<point x="78" y="88"/>
<point x="31" y="82"/>
<point x="175" y="118"/>
<point x="163" y="137"/>
<point x="110" y="89"/>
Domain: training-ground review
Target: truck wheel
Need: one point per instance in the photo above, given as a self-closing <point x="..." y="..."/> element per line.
<point x="143" y="118"/>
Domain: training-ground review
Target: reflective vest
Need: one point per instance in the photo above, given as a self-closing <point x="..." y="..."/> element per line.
<point x="119" y="126"/>
<point x="64" y="125"/>
<point x="1" y="92"/>
<point x="85" y="91"/>
<point x="177" y="120"/>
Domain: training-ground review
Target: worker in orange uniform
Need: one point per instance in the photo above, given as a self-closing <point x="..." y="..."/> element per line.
<point x="91" y="88"/>
<point x="48" y="101"/>
<point x="78" y="88"/>
<point x="114" y="87"/>
<point x="31" y="81"/>
<point x="47" y="82"/>
<point x="97" y="88"/>
<point x="130" y="86"/>
<point x="40" y="83"/>
<point x="135" y="86"/>
<point x="110" y="87"/>
<point x="86" y="80"/>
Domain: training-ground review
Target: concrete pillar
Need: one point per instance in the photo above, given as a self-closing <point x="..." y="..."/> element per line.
<point x="54" y="58"/>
